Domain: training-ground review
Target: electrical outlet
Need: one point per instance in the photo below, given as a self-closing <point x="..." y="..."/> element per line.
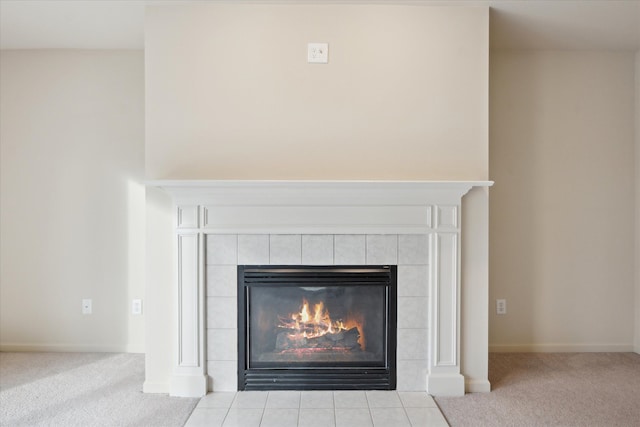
<point x="318" y="53"/>
<point x="136" y="306"/>
<point x="501" y="306"/>
<point x="87" y="306"/>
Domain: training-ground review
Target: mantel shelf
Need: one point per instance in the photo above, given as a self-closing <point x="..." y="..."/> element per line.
<point x="309" y="193"/>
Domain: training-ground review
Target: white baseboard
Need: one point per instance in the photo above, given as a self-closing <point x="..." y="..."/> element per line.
<point x="64" y="348"/>
<point x="188" y="385"/>
<point x="561" y="348"/>
<point x="477" y="386"/>
<point x="637" y="349"/>
<point x="155" y="387"/>
<point x="445" y="384"/>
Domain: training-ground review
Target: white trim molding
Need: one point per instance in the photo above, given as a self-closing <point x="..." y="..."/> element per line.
<point x="477" y="386"/>
<point x="560" y="348"/>
<point x="432" y="208"/>
<point x="67" y="348"/>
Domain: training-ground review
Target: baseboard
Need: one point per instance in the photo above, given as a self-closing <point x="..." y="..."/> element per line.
<point x="194" y="385"/>
<point x="63" y="348"/>
<point x="445" y="384"/>
<point x="477" y="386"/>
<point x="155" y="387"/>
<point x="637" y="349"/>
<point x="561" y="348"/>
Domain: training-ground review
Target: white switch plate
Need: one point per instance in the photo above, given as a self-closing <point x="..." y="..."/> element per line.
<point x="86" y="306"/>
<point x="136" y="306"/>
<point x="501" y="306"/>
<point x="318" y="53"/>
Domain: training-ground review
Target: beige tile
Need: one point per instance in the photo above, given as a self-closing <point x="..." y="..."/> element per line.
<point x="412" y="375"/>
<point x="285" y="249"/>
<point x="217" y="400"/>
<point x="206" y="417"/>
<point x="222" y="249"/>
<point x="350" y="249"/>
<point x="223" y="375"/>
<point x="250" y="399"/>
<point x="416" y="399"/>
<point x="222" y="312"/>
<point x="390" y="417"/>
<point x="222" y="344"/>
<point x="283" y="399"/>
<point x="316" y="399"/>
<point x="317" y="249"/>
<point x="279" y="417"/>
<point x="412" y="344"/>
<point x="413" y="312"/>
<point x="383" y="399"/>
<point x="222" y="280"/>
<point x="382" y="249"/>
<point x="346" y="417"/>
<point x="413" y="249"/>
<point x="243" y="417"/>
<point x="413" y="280"/>
<point x="316" y="418"/>
<point x="426" y="417"/>
<point x="350" y="399"/>
<point x="253" y="249"/>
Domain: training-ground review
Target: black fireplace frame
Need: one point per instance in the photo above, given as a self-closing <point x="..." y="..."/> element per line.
<point x="313" y="378"/>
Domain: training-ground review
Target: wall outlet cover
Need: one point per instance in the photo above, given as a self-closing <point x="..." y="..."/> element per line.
<point x="87" y="306"/>
<point x="136" y="306"/>
<point x="318" y="53"/>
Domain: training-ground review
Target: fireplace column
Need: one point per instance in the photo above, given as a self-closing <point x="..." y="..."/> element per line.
<point x="444" y="378"/>
<point x="189" y="372"/>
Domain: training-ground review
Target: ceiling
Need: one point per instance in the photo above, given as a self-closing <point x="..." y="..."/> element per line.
<point x="515" y="24"/>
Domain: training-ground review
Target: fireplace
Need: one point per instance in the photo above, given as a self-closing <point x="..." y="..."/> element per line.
<point x="415" y="225"/>
<point x="316" y="327"/>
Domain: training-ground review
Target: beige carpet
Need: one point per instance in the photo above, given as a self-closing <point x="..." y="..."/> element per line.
<point x="553" y="389"/>
<point x="82" y="389"/>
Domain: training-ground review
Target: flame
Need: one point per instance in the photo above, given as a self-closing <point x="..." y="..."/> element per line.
<point x="308" y="323"/>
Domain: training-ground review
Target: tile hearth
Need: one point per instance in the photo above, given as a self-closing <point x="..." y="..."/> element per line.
<point x="316" y="408"/>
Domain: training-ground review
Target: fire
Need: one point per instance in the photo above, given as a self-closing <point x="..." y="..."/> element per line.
<point x="316" y="322"/>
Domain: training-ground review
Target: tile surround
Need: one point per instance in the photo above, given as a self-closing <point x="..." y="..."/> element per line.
<point x="409" y="252"/>
<point x="253" y="249"/>
<point x="285" y="249"/>
<point x="382" y="249"/>
<point x="350" y="249"/>
<point x="317" y="249"/>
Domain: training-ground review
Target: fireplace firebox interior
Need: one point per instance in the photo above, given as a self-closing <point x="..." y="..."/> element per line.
<point x="316" y="327"/>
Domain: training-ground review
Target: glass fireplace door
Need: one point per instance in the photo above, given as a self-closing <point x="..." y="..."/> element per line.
<point x="311" y="327"/>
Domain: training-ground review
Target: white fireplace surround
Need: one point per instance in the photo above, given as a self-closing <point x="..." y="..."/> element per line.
<point x="382" y="214"/>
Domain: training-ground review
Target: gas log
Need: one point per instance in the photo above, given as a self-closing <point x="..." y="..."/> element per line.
<point x="343" y="339"/>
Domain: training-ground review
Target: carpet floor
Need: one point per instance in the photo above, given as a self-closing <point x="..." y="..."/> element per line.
<point x="83" y="389"/>
<point x="553" y="389"/>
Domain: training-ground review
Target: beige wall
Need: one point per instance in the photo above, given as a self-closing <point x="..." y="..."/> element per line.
<point x="72" y="217"/>
<point x="637" y="118"/>
<point x="160" y="312"/>
<point x="229" y="95"/>
<point x="562" y="209"/>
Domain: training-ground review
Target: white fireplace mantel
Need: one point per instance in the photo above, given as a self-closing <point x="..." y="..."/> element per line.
<point x="432" y="208"/>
